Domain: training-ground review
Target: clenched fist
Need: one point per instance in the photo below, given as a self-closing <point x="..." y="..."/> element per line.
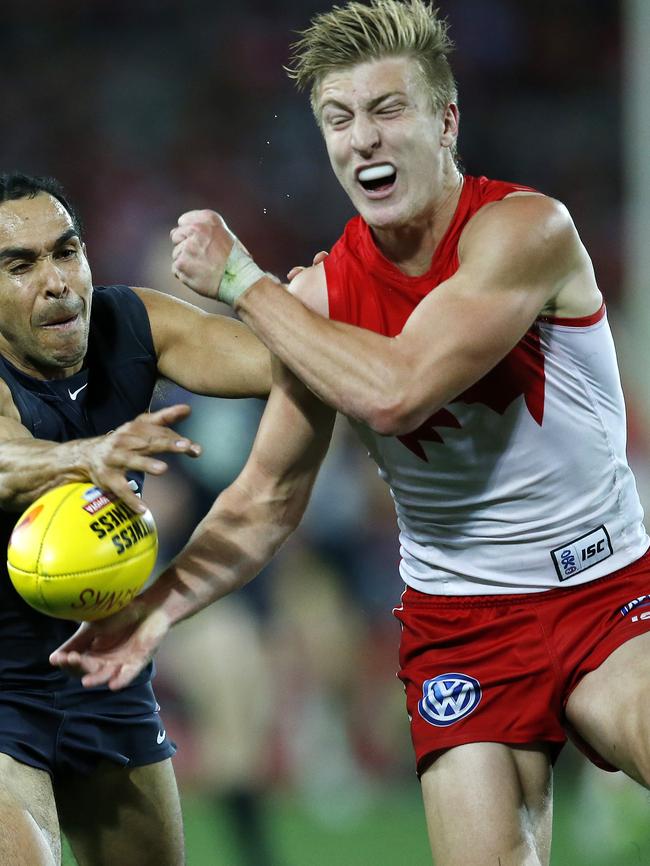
<point x="202" y="243"/>
<point x="209" y="259"/>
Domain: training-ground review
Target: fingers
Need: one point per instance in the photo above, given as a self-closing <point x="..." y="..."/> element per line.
<point x="140" y="438"/>
<point x="124" y="675"/>
<point x="115" y="676"/>
<point x="98" y="671"/>
<point x="72" y="654"/>
<point x="202" y="243"/>
<point x="67" y="656"/>
<point x="69" y="662"/>
<point x="167" y="415"/>
<point x="92" y="671"/>
<point x="298" y="269"/>
<point x="118" y="485"/>
<point x="191" y="217"/>
<point x="293" y="273"/>
<point x="133" y="447"/>
<point x="180" y="233"/>
<point x="150" y="433"/>
<point x="114" y="650"/>
<point x="99" y="676"/>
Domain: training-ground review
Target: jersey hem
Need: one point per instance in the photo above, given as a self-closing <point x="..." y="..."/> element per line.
<point x="579" y="322"/>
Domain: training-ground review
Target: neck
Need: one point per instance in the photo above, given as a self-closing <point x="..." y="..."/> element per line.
<point x="411" y="247"/>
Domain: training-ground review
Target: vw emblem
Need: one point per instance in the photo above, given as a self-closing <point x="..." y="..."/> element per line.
<point x="448" y="698"/>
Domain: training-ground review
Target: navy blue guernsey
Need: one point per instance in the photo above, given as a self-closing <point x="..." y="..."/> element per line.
<point x="115" y="384"/>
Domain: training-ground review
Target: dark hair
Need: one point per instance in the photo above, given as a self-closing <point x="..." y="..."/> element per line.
<point x="16" y="185"/>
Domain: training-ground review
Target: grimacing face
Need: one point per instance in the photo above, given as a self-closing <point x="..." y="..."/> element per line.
<point x="389" y="148"/>
<point x="45" y="288"/>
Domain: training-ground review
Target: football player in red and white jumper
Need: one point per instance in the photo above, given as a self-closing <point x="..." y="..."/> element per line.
<point x="458" y="324"/>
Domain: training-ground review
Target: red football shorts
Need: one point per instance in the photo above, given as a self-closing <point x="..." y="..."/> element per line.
<point x="500" y="668"/>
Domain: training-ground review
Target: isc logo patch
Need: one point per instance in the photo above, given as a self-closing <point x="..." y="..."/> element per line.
<point x="582" y="553"/>
<point x="448" y="698"/>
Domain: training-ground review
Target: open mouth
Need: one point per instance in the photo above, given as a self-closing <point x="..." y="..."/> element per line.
<point x="377" y="179"/>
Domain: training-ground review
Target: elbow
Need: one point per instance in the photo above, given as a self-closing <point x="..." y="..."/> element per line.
<point x="396" y="416"/>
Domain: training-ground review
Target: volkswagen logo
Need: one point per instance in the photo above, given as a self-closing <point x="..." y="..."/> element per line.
<point x="448" y="698"/>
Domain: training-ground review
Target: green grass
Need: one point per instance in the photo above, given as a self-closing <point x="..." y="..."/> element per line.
<point x="599" y="821"/>
<point x="388" y="830"/>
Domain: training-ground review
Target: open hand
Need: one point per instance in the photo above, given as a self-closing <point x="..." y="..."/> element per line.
<point x="106" y="459"/>
<point x="114" y="650"/>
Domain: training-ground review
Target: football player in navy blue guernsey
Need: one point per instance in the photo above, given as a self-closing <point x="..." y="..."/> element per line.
<point x="78" y="367"/>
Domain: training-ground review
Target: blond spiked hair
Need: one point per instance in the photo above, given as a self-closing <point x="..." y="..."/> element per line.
<point x="356" y="32"/>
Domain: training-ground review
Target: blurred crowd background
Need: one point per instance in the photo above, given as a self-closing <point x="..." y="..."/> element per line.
<point x="293" y="740"/>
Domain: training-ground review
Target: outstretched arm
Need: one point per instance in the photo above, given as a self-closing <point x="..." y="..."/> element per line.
<point x="239" y="535"/>
<point x="516" y="256"/>
<point x="206" y="353"/>
<point x="29" y="466"/>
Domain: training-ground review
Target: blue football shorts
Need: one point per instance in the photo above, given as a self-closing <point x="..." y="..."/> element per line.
<point x="71" y="728"/>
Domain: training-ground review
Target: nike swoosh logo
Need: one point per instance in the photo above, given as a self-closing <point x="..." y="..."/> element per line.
<point x="160" y="736"/>
<point x="75" y="394"/>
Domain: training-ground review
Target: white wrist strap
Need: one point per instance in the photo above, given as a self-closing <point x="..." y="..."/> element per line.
<point x="240" y="274"/>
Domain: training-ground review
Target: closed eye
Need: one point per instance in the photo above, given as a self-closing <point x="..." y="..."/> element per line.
<point x="339" y="120"/>
<point x="19" y="267"/>
<point x="391" y="110"/>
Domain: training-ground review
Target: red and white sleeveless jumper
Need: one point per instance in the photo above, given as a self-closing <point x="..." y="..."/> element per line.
<point x="521" y="483"/>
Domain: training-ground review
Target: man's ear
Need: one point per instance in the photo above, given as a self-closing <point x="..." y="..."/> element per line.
<point x="451" y="120"/>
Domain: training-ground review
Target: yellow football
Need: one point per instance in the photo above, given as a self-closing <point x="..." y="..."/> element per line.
<point x="80" y="553"/>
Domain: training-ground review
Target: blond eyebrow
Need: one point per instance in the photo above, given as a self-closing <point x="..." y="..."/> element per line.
<point x="372" y="104"/>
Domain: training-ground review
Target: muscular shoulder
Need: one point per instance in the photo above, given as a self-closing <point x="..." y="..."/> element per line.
<point x="310" y="286"/>
<point x="525" y="233"/>
<point x="527" y="218"/>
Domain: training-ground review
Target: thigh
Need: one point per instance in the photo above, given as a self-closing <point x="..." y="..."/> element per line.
<point x="29" y="829"/>
<point x="610" y="708"/>
<point x="487" y="803"/>
<point x="122" y="815"/>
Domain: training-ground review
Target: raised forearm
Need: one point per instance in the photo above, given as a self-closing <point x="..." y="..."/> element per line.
<point x="29" y="467"/>
<point x="356" y="371"/>
<point x="235" y="540"/>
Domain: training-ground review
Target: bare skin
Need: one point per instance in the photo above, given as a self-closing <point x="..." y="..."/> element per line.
<point x="123" y="815"/>
<point x="520" y="258"/>
<point x="46" y="299"/>
<point x="503" y="792"/>
<point x="29" y="825"/>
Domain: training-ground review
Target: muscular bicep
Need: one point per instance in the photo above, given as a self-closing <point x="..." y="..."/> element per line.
<point x="510" y="269"/>
<point x="205" y="352"/>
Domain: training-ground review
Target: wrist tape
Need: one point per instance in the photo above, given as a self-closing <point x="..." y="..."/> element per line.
<point x="240" y="274"/>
